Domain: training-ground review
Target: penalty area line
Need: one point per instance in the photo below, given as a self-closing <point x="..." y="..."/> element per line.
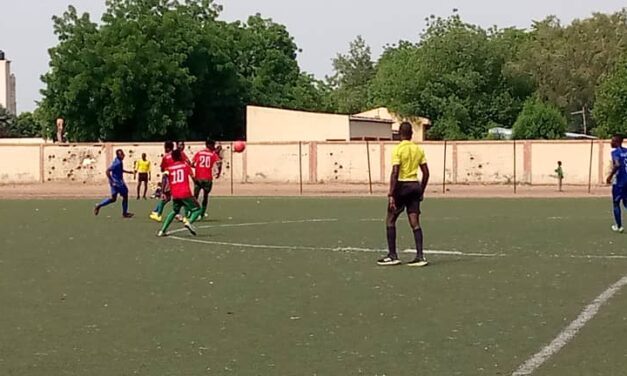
<point x="566" y="335"/>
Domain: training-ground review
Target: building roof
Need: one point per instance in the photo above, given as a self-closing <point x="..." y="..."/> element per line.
<point x="371" y="119"/>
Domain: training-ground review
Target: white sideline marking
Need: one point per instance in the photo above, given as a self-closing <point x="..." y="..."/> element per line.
<point x="336" y="249"/>
<point x="571" y="330"/>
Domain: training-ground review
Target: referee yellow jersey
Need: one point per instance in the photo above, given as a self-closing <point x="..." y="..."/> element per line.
<point x="142" y="166"/>
<point x="408" y="156"/>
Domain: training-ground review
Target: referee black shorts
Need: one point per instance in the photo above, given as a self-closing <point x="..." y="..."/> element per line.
<point x="407" y="197"/>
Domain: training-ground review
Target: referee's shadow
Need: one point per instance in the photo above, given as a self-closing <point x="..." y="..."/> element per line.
<point x="439" y="260"/>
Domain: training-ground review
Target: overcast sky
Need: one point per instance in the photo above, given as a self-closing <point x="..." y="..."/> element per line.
<point x="322" y="28"/>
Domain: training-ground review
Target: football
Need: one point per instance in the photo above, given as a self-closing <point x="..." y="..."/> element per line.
<point x="239" y="146"/>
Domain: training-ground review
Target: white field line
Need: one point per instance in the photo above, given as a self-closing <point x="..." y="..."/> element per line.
<point x="610" y="257"/>
<point x="258" y="224"/>
<point x="566" y="335"/>
<point x="327" y="220"/>
<point x="333" y="249"/>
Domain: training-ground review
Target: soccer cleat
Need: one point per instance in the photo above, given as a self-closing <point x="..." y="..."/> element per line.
<point x="162" y="234"/>
<point x="96" y="210"/>
<point x="389" y="260"/>
<point x="615" y="228"/>
<point x="189" y="226"/>
<point x="128" y="215"/>
<point x="155" y="216"/>
<point x="418" y="263"/>
<point x="180" y="218"/>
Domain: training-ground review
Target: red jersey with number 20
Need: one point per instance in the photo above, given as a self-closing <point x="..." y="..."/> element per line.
<point x="204" y="161"/>
<point x="179" y="173"/>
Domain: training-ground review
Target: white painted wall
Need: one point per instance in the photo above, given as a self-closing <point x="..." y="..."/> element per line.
<point x="275" y="125"/>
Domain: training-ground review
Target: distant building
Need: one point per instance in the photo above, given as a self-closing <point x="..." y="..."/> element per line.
<point x="500" y="133"/>
<point x="7" y="85"/>
<point x="420" y="124"/>
<point x="264" y="124"/>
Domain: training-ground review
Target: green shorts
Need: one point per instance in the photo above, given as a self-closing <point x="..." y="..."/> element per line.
<point x="204" y="185"/>
<point x="188" y="203"/>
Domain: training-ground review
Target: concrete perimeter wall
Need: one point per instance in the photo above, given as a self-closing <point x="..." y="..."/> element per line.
<point x="482" y="162"/>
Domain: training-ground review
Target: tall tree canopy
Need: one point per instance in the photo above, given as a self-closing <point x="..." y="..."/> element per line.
<point x="610" y="110"/>
<point x="155" y="69"/>
<point x="353" y="73"/>
<point x="539" y="120"/>
<point x="568" y="62"/>
<point x="456" y="76"/>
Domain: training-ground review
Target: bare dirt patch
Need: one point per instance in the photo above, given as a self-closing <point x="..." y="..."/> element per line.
<point x="223" y="188"/>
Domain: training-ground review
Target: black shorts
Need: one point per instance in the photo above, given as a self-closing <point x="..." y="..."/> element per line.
<point x="142" y="177"/>
<point x="407" y="197"/>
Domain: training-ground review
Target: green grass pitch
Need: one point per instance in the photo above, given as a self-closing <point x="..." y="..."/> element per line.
<point x="270" y="287"/>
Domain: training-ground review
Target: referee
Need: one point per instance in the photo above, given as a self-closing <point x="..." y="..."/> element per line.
<point x="406" y="193"/>
<point x="142" y="169"/>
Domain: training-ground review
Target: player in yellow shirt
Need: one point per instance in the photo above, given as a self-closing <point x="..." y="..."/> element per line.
<point x="406" y="193"/>
<point x="142" y="170"/>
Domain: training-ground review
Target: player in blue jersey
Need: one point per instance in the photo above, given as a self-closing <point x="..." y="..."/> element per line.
<point x="618" y="179"/>
<point x="115" y="174"/>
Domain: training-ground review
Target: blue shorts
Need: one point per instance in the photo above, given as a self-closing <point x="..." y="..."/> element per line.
<point x="619" y="193"/>
<point x="119" y="190"/>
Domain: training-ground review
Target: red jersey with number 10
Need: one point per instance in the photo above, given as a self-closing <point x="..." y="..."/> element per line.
<point x="204" y="161"/>
<point x="179" y="173"/>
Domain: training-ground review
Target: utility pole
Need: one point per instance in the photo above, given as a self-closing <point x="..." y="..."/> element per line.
<point x="583" y="115"/>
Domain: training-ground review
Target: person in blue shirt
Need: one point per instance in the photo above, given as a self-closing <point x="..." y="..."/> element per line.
<point x="115" y="174"/>
<point x="618" y="179"/>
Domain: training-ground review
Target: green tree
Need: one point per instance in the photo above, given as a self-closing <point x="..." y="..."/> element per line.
<point x="539" y="120"/>
<point x="155" y="69"/>
<point x="28" y="125"/>
<point x="568" y="62"/>
<point x="7" y="123"/>
<point x="610" y="110"/>
<point x="351" y="81"/>
<point x="124" y="80"/>
<point x="455" y="76"/>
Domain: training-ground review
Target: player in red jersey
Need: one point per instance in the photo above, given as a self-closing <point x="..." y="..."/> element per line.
<point x="180" y="145"/>
<point x="204" y="162"/>
<point x="179" y="174"/>
<point x="166" y="161"/>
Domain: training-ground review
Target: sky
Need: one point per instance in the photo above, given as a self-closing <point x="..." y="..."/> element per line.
<point x="321" y="28"/>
